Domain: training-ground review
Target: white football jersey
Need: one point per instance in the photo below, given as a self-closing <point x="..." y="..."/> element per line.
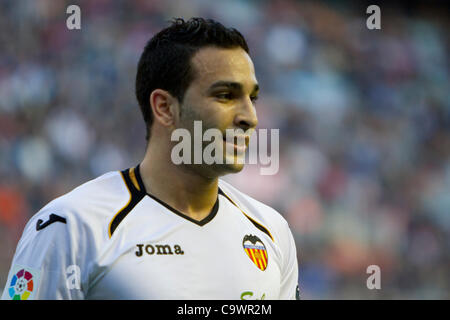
<point x="110" y="239"/>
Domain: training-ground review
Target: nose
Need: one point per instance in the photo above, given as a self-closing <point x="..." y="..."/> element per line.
<point x="246" y="117"/>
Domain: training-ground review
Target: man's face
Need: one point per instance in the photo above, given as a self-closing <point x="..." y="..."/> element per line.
<point x="222" y="96"/>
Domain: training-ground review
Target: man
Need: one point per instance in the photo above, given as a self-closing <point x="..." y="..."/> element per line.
<point x="162" y="230"/>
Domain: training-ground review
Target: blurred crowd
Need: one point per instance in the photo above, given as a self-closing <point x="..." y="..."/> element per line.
<point x="364" y="120"/>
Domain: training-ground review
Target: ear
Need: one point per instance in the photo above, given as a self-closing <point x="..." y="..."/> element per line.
<point x="164" y="107"/>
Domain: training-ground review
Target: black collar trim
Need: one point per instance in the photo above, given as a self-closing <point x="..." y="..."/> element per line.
<point x="202" y="222"/>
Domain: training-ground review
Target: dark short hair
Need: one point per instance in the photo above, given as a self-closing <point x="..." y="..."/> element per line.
<point x="165" y="62"/>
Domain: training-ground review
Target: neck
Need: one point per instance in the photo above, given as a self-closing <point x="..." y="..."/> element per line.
<point x="181" y="188"/>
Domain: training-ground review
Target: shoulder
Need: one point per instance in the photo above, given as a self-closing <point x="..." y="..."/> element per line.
<point x="86" y="209"/>
<point x="258" y="211"/>
<point x="93" y="198"/>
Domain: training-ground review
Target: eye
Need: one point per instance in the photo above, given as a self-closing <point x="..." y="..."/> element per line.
<point x="224" y="96"/>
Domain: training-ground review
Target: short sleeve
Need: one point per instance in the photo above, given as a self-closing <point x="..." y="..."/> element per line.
<point x="47" y="263"/>
<point x="289" y="273"/>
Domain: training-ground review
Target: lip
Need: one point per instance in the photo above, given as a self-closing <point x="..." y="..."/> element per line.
<point x="239" y="148"/>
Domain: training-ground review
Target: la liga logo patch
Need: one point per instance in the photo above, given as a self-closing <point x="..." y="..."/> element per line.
<point x="256" y="251"/>
<point x="23" y="284"/>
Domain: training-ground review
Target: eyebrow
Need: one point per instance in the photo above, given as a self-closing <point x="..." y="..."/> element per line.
<point x="231" y="85"/>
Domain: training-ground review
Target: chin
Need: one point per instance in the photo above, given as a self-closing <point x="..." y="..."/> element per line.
<point x="216" y="170"/>
<point x="235" y="168"/>
<point x="232" y="167"/>
<point x="219" y="170"/>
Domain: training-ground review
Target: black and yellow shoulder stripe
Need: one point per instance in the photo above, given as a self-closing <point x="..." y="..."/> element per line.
<point x="255" y="223"/>
<point x="136" y="194"/>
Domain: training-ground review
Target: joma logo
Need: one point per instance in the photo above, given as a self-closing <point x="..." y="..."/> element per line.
<point x="157" y="249"/>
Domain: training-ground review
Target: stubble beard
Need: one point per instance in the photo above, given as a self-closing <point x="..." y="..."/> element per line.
<point x="210" y="171"/>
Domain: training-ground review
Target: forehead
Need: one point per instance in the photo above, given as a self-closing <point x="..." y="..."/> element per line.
<point x="216" y="64"/>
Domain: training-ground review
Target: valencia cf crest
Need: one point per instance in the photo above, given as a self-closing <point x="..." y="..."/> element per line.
<point x="256" y="251"/>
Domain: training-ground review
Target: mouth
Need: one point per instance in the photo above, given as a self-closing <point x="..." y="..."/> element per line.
<point x="237" y="143"/>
